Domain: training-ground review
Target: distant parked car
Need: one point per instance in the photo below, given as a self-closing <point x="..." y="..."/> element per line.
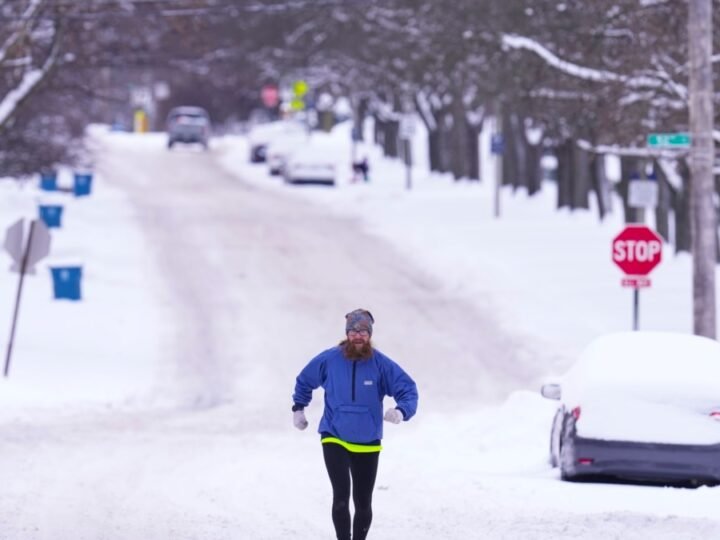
<point x="281" y="147"/>
<point x="258" y="153"/>
<point x="311" y="164"/>
<point x="188" y="125"/>
<point x="262" y="134"/>
<point x="640" y="406"/>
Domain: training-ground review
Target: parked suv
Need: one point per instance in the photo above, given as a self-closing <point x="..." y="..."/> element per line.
<point x="188" y="125"/>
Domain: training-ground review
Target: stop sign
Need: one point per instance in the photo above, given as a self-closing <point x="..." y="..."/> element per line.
<point x="637" y="250"/>
<point x="270" y="95"/>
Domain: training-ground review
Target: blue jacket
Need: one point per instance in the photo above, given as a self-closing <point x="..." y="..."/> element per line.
<point x="354" y="392"/>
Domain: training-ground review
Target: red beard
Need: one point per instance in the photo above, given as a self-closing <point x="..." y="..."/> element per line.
<point x="352" y="352"/>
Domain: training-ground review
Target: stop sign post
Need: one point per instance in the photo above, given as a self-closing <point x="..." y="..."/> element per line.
<point x="637" y="250"/>
<point x="25" y="255"/>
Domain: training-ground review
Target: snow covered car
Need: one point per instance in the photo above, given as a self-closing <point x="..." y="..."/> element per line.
<point x="311" y="165"/>
<point x="280" y="148"/>
<point x="640" y="406"/>
<point x="262" y="134"/>
<point x="188" y="125"/>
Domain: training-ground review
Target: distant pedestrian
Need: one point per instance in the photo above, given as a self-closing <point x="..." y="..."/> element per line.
<point x="356" y="377"/>
<point x="361" y="167"/>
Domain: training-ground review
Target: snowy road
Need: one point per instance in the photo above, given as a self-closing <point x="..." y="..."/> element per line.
<point x="261" y="282"/>
<point x="251" y="285"/>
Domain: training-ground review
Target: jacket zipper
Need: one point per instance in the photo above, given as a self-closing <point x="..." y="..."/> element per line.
<point x="353" y="380"/>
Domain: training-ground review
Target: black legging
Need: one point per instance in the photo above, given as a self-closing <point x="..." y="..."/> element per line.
<point x="341" y="464"/>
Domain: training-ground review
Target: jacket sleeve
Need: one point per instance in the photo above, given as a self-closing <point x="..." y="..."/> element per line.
<point x="310" y="378"/>
<point x="401" y="387"/>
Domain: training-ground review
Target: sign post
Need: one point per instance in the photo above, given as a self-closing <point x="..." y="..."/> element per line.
<point x="637" y="250"/>
<point x="497" y="147"/>
<point x="24" y="256"/>
<point x="407" y="130"/>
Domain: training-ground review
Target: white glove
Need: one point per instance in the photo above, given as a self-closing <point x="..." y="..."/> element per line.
<point x="299" y="420"/>
<point x="393" y="415"/>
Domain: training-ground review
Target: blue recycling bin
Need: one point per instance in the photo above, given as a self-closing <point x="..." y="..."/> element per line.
<point x="83" y="184"/>
<point x="48" y="181"/>
<point x="51" y="214"/>
<point x="66" y="282"/>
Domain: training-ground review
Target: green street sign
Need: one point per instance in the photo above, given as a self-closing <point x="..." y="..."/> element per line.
<point x="669" y="140"/>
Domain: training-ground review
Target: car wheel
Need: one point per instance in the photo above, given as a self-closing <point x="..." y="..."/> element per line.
<point x="567" y="473"/>
<point x="565" y="476"/>
<point x="555" y="436"/>
<point x="170" y="144"/>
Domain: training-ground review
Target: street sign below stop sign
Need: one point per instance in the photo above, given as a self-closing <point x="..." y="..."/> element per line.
<point x="637" y="250"/>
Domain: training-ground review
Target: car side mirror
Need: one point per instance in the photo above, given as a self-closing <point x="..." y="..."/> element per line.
<point x="551" y="391"/>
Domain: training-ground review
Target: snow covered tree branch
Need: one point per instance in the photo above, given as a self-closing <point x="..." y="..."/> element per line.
<point x="657" y="81"/>
<point x="29" y="82"/>
<point x="20" y="29"/>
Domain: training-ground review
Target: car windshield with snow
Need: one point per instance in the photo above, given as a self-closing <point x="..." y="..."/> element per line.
<point x="640" y="406"/>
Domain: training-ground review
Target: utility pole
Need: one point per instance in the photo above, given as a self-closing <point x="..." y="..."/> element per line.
<point x="497" y="146"/>
<point x="702" y="208"/>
